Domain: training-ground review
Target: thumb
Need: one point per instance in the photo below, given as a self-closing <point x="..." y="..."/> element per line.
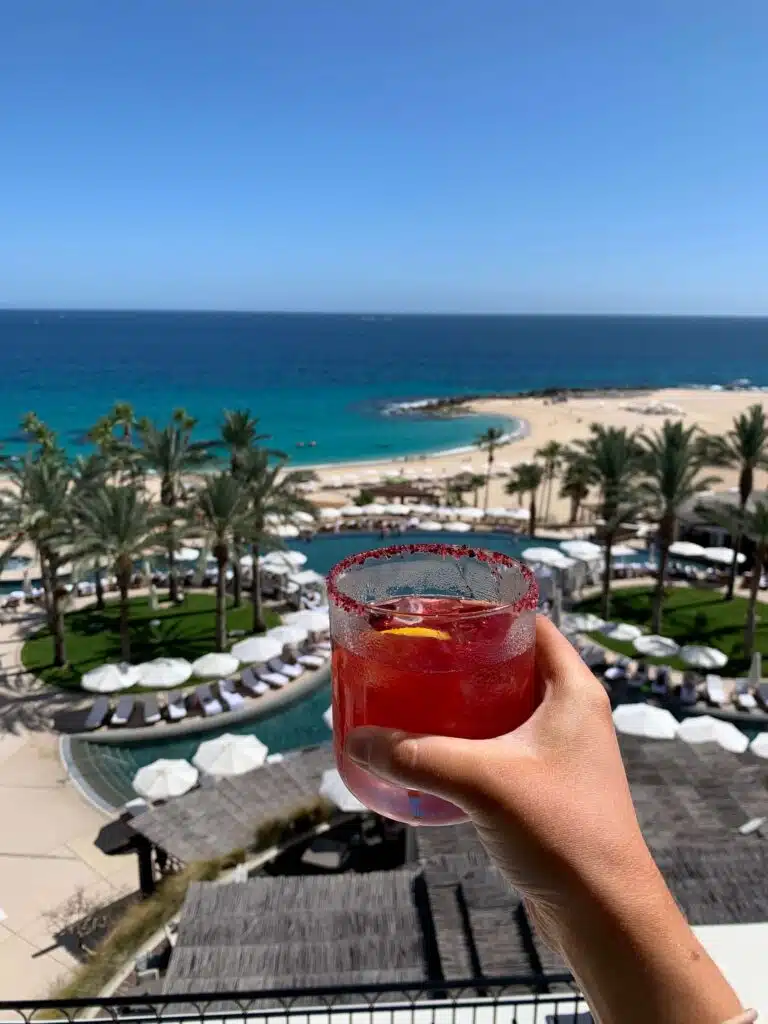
<point x="442" y="765"/>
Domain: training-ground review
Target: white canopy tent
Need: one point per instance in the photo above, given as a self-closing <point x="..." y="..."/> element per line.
<point x="111" y="678"/>
<point x="165" y="778"/>
<point x="470" y="513"/>
<point x="330" y="514"/>
<point x="164" y="673"/>
<point x="256" y="650"/>
<point x="706" y="729"/>
<point x="230" y="754"/>
<point x="703" y="657"/>
<point x="216" y="665"/>
<point x="645" y="720"/>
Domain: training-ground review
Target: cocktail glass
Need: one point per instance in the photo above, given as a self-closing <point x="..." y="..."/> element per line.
<point x="429" y="638"/>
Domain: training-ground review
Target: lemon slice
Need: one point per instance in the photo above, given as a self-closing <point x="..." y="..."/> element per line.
<point x="436" y="634"/>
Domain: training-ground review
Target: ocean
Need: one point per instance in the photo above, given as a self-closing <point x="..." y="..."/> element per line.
<point x="326" y="378"/>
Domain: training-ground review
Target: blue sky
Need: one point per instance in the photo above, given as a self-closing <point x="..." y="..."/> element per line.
<point x="400" y="155"/>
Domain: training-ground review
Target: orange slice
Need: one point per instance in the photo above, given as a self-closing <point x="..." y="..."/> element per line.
<point x="435" y="634"/>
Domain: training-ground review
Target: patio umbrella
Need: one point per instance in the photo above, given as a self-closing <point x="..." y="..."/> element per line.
<point x="519" y="513"/>
<point x="457" y="527"/>
<point x="215" y="665"/>
<point x="583" y="622"/>
<point x="656" y="646"/>
<point x="293" y="558"/>
<point x="623" y="551"/>
<point x="759" y="745"/>
<point x="703" y="657"/>
<point x="328" y="718"/>
<point x="256" y="650"/>
<point x="350" y="511"/>
<point x="498" y="512"/>
<point x="314" y="620"/>
<point x="755" y="669"/>
<point x="706" y="729"/>
<point x="723" y="556"/>
<point x="623" y="631"/>
<point x="110" y="678"/>
<point x="17" y="595"/>
<point x="300" y="516"/>
<point x="164" y="673"/>
<point x="430" y="526"/>
<point x="277" y="568"/>
<point x="470" y="513"/>
<point x="285" y="530"/>
<point x="230" y="754"/>
<point x="374" y="509"/>
<point x="290" y="636"/>
<point x="165" y="778"/>
<point x="584" y="550"/>
<point x="645" y="720"/>
<point x="686" y="549"/>
<point x="332" y="787"/>
<point x="188" y="554"/>
<point x="548" y="556"/>
<point x="330" y="514"/>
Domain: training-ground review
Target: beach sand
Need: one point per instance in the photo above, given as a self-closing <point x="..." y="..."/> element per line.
<point x="567" y="422"/>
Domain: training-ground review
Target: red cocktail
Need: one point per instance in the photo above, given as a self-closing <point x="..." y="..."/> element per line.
<point x="429" y="638"/>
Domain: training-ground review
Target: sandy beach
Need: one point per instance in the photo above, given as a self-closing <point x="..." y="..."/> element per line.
<point x="566" y="422"/>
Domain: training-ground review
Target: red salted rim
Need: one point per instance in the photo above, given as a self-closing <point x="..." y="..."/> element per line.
<point x="527" y="602"/>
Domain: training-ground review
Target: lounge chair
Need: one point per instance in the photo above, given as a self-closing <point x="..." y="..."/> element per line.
<point x="312" y="661"/>
<point x="176" y="706"/>
<point x="715" y="690"/>
<point x="253" y="685"/>
<point x="150" y="710"/>
<point x="744" y="700"/>
<point x="98" y="713"/>
<point x="284" y="668"/>
<point x="688" y="693"/>
<point x="275" y="679"/>
<point x="122" y="713"/>
<point x="229" y="695"/>
<point x="660" y="686"/>
<point x="208" y="703"/>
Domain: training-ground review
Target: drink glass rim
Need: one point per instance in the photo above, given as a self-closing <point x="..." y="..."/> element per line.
<point x="528" y="601"/>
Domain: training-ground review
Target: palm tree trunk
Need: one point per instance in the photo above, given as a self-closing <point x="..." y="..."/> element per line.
<point x="123" y="583"/>
<point x="754" y="587"/>
<point x="45" y="574"/>
<point x="57" y="619"/>
<point x="237" y="583"/>
<point x="221" y="604"/>
<point x="173" y="583"/>
<point x="606" y="596"/>
<point x="99" y="586"/>
<point x="574" y="511"/>
<point x="550" y="478"/>
<point x="488" y="469"/>
<point x="666" y="533"/>
<point x="532" y="514"/>
<point x="259" y="626"/>
<point x="732" y="571"/>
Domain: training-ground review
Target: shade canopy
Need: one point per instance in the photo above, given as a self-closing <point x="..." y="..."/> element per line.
<point x="111" y="678"/>
<point x="625" y="632"/>
<point x="165" y="778"/>
<point x="706" y="729"/>
<point x="256" y="650"/>
<point x="215" y="665"/>
<point x="723" y="556"/>
<point x="332" y="787"/>
<point x="301" y="516"/>
<point x="584" y="550"/>
<point x="285" y="530"/>
<point x="330" y="513"/>
<point x="164" y="673"/>
<point x="703" y="657"/>
<point x="288" y="635"/>
<point x="188" y="554"/>
<point x="470" y="513"/>
<point x="230" y="754"/>
<point x="430" y="526"/>
<point x="645" y="720"/>
<point x="623" y="551"/>
<point x="548" y="556"/>
<point x="350" y="510"/>
<point x="457" y="527"/>
<point x="759" y="745"/>
<point x="655" y="646"/>
<point x="314" y="620"/>
<point x="686" y="549"/>
<point x="583" y="622"/>
<point x="294" y="559"/>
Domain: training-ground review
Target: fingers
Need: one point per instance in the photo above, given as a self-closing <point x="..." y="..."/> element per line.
<point x="559" y="668"/>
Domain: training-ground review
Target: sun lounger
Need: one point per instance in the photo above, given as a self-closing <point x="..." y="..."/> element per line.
<point x="208" y="703"/>
<point x="122" y="713"/>
<point x="285" y="669"/>
<point x="715" y="690"/>
<point x="176" y="706"/>
<point x="688" y="692"/>
<point x="275" y="679"/>
<point x="744" y="700"/>
<point x="311" y="660"/>
<point x="150" y="710"/>
<point x="229" y="695"/>
<point x="97" y="714"/>
<point x="660" y="687"/>
<point x="253" y="685"/>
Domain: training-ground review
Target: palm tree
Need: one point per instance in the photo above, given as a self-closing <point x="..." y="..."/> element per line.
<point x="750" y="522"/>
<point x="171" y="453"/>
<point x="116" y="525"/>
<point x="274" y="492"/>
<point x="552" y="454"/>
<point x="489" y="440"/>
<point x="745" y="446"/>
<point x="39" y="433"/>
<point x="123" y="416"/>
<point x="90" y="473"/>
<point x="527" y="479"/>
<point x="224" y="510"/>
<point x="612" y="455"/>
<point x="464" y="483"/>
<point x="37" y="509"/>
<point x="575" y="485"/>
<point x="238" y="432"/>
<point x="672" y="460"/>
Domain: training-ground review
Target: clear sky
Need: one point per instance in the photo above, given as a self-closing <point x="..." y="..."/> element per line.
<point x="477" y="155"/>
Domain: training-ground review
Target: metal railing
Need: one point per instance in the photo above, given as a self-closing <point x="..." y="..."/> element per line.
<point x="549" y="999"/>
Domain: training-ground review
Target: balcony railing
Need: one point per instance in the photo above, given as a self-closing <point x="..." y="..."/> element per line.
<point x="550" y="999"/>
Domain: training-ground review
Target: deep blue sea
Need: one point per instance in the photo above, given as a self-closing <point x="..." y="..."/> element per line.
<point x="325" y="378"/>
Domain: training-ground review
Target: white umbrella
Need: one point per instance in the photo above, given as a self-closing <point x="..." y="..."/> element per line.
<point x="430" y="526"/>
<point x="315" y="620"/>
<point x="457" y="527"/>
<point x="300" y="516"/>
<point x="165" y="778"/>
<point x="285" y="530"/>
<point x="623" y="631"/>
<point x="277" y="568"/>
<point x="584" y="550"/>
<point x="230" y="754"/>
<point x="755" y="669"/>
<point x="374" y="509"/>
<point x="330" y="513"/>
<point x="623" y="551"/>
<point x="470" y="513"/>
<point x="548" y="556"/>
<point x="328" y="718"/>
<point x="519" y="513"/>
<point x="498" y="512"/>
<point x="332" y="787"/>
<point x="583" y="622"/>
<point x="397" y="510"/>
<point x="188" y="554"/>
<point x="17" y="595"/>
<point x="723" y="556"/>
<point x="656" y="646"/>
<point x="293" y="558"/>
<point x="703" y="657"/>
<point x="706" y="729"/>
<point x="256" y="650"/>
<point x="290" y="636"/>
<point x="334" y="480"/>
<point x="164" y="673"/>
<point x="215" y="665"/>
<point x="350" y="510"/>
<point x="686" y="549"/>
<point x="645" y="720"/>
<point x="110" y="678"/>
<point x="759" y="745"/>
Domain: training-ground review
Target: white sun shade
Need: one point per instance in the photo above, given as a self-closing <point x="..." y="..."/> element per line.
<point x="548" y="556"/>
<point x="623" y="551"/>
<point x="645" y="720"/>
<point x="215" y="665"/>
<point x="703" y="657"/>
<point x="583" y="622"/>
<point x="285" y="530"/>
<point x="164" y="779"/>
<point x="332" y="787"/>
<point x="686" y="549"/>
<point x="723" y="556"/>
<point x="655" y="646"/>
<point x="584" y="550"/>
<point x="164" y="673"/>
<point x="622" y="631"/>
<point x="457" y="527"/>
<point x="256" y="650"/>
<point x="111" y="678"/>
<point x="315" y="620"/>
<point x="300" y="516"/>
<point x="230" y="754"/>
<point x="470" y="513"/>
<point x="188" y="554"/>
<point x="430" y="526"/>
<point x="706" y="729"/>
<point x="759" y="745"/>
<point x="295" y="559"/>
<point x="330" y="513"/>
<point x="291" y="636"/>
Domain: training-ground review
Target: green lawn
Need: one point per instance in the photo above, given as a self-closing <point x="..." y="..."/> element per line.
<point x="184" y="631"/>
<point x="691" y="616"/>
